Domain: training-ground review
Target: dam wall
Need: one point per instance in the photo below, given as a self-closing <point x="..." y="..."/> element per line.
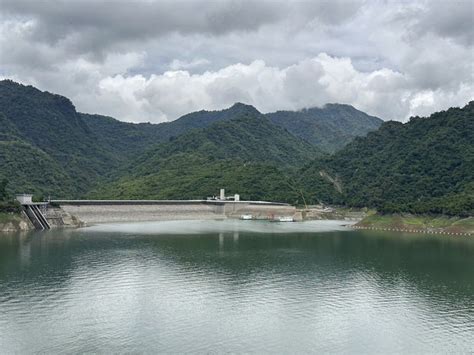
<point x="115" y="211"/>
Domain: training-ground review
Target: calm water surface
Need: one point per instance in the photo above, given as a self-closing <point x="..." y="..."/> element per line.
<point x="235" y="286"/>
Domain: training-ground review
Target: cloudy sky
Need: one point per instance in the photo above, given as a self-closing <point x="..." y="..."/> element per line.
<point x="154" y="61"/>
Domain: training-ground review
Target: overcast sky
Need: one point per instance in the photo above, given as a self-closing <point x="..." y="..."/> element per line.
<point x="154" y="61"/>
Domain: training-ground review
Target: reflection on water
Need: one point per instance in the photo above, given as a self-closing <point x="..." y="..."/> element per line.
<point x="233" y="287"/>
<point x="224" y="226"/>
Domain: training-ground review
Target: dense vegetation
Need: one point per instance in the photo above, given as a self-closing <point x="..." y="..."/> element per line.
<point x="249" y="138"/>
<point x="47" y="147"/>
<point x="203" y="119"/>
<point x="247" y="155"/>
<point x="423" y="166"/>
<point x="6" y="201"/>
<point x="330" y="127"/>
<point x="196" y="176"/>
<point x="3" y="189"/>
<point x="122" y="139"/>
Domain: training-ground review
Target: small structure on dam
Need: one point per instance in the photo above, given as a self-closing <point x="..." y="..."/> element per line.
<point x="35" y="211"/>
<point x="223" y="197"/>
<point x="25" y="199"/>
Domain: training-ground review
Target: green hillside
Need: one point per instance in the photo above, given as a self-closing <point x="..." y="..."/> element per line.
<point x="129" y="139"/>
<point x="229" y="134"/>
<point x="248" y="155"/>
<point x="330" y="127"/>
<point x="124" y="139"/>
<point x="34" y="170"/>
<point x="46" y="145"/>
<point x="249" y="138"/>
<point x="203" y="119"/>
<point x="423" y="166"/>
<point x="196" y="176"/>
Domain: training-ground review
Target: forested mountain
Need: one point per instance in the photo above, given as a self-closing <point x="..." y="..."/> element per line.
<point x="48" y="148"/>
<point x="247" y="155"/>
<point x="46" y="145"/>
<point x="423" y="166"/>
<point x="124" y="139"/>
<point x="196" y="176"/>
<point x="248" y="138"/>
<point x="330" y="127"/>
<point x="202" y="119"/>
<point x="131" y="139"/>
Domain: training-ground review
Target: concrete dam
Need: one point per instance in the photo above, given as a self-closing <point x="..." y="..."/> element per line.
<point x="115" y="211"/>
<point x="75" y="213"/>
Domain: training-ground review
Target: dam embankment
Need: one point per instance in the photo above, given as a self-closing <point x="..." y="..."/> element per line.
<point x="114" y="211"/>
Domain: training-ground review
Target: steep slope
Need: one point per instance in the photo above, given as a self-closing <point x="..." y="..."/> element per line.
<point x="195" y="176"/>
<point x="48" y="123"/>
<point x="8" y="130"/>
<point x="330" y="127"/>
<point x="248" y="138"/>
<point x="46" y="120"/>
<point x="27" y="164"/>
<point x="124" y="139"/>
<point x="425" y="165"/>
<point x="129" y="139"/>
<point x="33" y="170"/>
<point x="202" y="119"/>
<point x="245" y="155"/>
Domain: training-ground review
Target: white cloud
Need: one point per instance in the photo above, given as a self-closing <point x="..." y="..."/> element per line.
<point x="390" y="59"/>
<point x="178" y="64"/>
<point x="308" y="83"/>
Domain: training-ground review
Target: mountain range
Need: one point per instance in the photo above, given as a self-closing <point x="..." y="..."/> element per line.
<point x="334" y="154"/>
<point x="330" y="127"/>
<point x="49" y="148"/>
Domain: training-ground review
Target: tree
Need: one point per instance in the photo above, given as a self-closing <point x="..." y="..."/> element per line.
<point x="3" y="189"/>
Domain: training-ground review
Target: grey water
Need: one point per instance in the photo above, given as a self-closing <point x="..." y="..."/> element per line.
<point x="235" y="286"/>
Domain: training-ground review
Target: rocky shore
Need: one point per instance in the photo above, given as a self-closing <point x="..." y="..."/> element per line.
<point x="14" y="222"/>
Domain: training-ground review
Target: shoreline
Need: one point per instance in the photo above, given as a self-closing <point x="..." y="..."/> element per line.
<point x="14" y="222"/>
<point x="87" y="216"/>
<point x="417" y="231"/>
<point x="424" y="224"/>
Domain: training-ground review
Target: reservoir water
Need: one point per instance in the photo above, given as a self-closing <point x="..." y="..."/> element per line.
<point x="235" y="286"/>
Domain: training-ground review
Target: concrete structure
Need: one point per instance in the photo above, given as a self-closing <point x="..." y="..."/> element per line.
<point x="110" y="211"/>
<point x="35" y="211"/>
<point x="25" y="199"/>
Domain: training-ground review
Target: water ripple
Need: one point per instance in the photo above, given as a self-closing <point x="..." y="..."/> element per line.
<point x="252" y="292"/>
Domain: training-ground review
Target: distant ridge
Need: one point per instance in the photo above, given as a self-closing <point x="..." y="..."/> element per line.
<point x="203" y="118"/>
<point x="330" y="127"/>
